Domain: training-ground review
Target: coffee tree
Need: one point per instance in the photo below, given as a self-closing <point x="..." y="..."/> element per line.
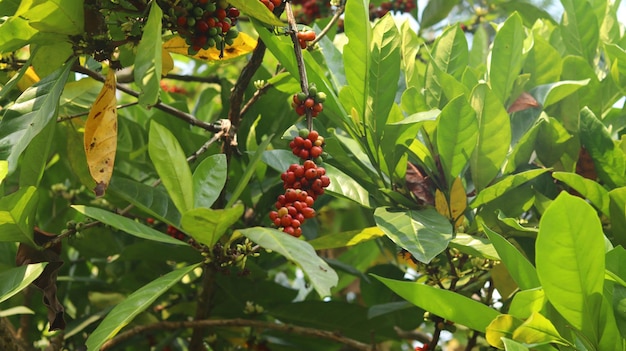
<point x="312" y="175"/>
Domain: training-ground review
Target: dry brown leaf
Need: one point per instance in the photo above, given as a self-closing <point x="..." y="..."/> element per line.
<point x="421" y="186"/>
<point x="523" y="102"/>
<point x="101" y="135"/>
<point x="242" y="45"/>
<point x="47" y="281"/>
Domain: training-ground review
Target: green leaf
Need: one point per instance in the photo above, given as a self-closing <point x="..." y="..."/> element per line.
<point x="435" y="11"/>
<point x="321" y="276"/>
<point x="480" y="48"/>
<point x="17" y="212"/>
<point x="526" y="302"/>
<point x="207" y="226"/>
<point x="346" y="187"/>
<point x="551" y="93"/>
<point x="30" y="114"/>
<point x="153" y="201"/>
<point x="35" y="157"/>
<point x="504" y="185"/>
<point x="245" y="178"/>
<point x="424" y="233"/>
<point x="501" y="327"/>
<point x="59" y="16"/>
<point x="148" y="62"/>
<point x="538" y="330"/>
<point x="15" y="311"/>
<point x="475" y="246"/>
<point x="12" y="83"/>
<point x="126" y="225"/>
<point x="450" y="52"/>
<point x="209" y="179"/>
<point x="137" y="302"/>
<point x="15" y="33"/>
<point x="170" y="163"/>
<point x="346" y="239"/>
<point x="384" y="72"/>
<point x="4" y="169"/>
<point x="17" y="279"/>
<point x="570" y="260"/>
<point x="457" y="133"/>
<point x="356" y="53"/>
<point x="580" y="29"/>
<point x="608" y="158"/>
<point x="494" y="136"/>
<point x="543" y="62"/>
<point x="444" y="303"/>
<point x="510" y="345"/>
<point x="530" y="13"/>
<point x="521" y="270"/>
<point x="617" y="211"/>
<point x="507" y="57"/>
<point x="256" y="9"/>
<point x="594" y="192"/>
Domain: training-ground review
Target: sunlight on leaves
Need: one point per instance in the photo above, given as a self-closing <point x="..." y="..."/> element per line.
<point x="242" y="45"/>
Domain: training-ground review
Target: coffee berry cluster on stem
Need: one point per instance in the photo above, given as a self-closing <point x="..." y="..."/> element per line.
<point x="303" y="183"/>
<point x="311" y="101"/>
<point x="202" y="23"/>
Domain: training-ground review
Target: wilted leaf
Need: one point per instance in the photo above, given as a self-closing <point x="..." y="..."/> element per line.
<point x="242" y="45"/>
<point x="458" y="202"/>
<point x="47" y="281"/>
<point x="523" y="102"/>
<point x="101" y="135"/>
<point x="419" y="184"/>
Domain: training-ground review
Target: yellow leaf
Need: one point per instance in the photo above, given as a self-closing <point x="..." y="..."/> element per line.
<point x="242" y="45"/>
<point x="101" y="135"/>
<point x="28" y="79"/>
<point x="167" y="63"/>
<point x="441" y="204"/>
<point x="458" y="202"/>
<point x="502" y="326"/>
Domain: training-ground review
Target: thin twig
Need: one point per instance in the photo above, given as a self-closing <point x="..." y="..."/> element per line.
<point x="329" y="25"/>
<point x="238" y="322"/>
<point x="184" y="78"/>
<point x="254" y="98"/>
<point x="239" y="89"/>
<point x="67" y="118"/>
<point x="159" y="105"/>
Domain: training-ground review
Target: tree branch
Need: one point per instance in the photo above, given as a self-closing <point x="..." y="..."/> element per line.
<point x="330" y="24"/>
<point x="8" y="338"/>
<point x="285" y="328"/>
<point x="239" y="89"/>
<point x="203" y="309"/>
<point x="159" y="105"/>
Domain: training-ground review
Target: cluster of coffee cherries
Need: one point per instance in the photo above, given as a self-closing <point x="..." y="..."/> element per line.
<point x="271" y="4"/>
<point x="311" y="101"/>
<point x="303" y="183"/>
<point x="311" y="10"/>
<point x="202" y="23"/>
<point x="393" y="6"/>
<point x="304" y="37"/>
